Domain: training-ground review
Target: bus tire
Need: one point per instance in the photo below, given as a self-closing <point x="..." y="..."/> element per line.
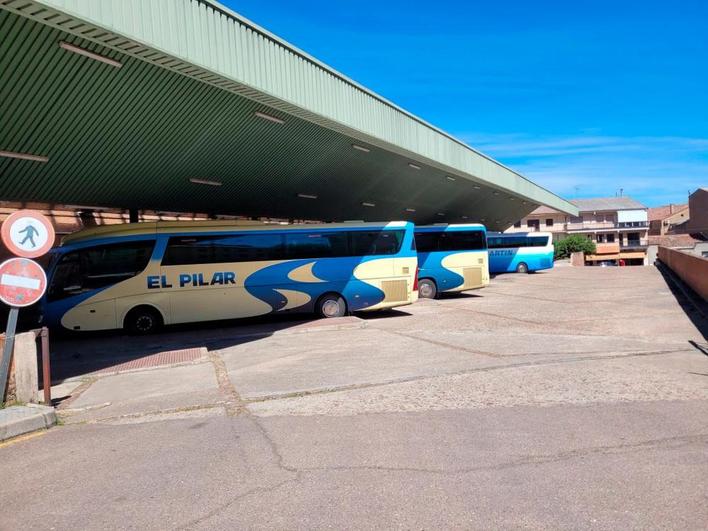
<point x="427" y="289"/>
<point x="142" y="321"/>
<point x="331" y="305"/>
<point x="522" y="268"/>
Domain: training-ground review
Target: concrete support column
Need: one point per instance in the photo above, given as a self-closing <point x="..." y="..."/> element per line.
<point x="134" y="215"/>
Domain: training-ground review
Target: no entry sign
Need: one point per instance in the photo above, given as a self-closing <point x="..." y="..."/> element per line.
<point x="27" y="233"/>
<point x="22" y="282"/>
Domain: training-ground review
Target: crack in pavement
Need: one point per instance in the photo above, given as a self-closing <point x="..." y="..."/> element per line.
<point x="229" y="503"/>
<point x="368" y="385"/>
<point x="237" y="403"/>
<point x="670" y="443"/>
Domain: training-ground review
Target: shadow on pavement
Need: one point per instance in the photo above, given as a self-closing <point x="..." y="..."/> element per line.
<point x="695" y="308"/>
<point x="76" y="355"/>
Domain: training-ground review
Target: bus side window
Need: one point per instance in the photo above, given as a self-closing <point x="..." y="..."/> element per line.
<point x="97" y="267"/>
<point x="427" y="242"/>
<point x="366" y="243"/>
<point x="317" y="245"/>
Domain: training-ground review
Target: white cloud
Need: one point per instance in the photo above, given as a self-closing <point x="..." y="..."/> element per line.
<point x="655" y="170"/>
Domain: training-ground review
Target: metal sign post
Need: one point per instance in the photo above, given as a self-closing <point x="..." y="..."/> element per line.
<point x="7" y="350"/>
<point x="28" y="234"/>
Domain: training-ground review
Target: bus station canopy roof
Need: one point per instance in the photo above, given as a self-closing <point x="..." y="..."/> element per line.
<point x="183" y="105"/>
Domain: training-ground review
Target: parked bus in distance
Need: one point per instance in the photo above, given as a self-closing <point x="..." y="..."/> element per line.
<point x="451" y="258"/>
<point x="143" y="275"/>
<point x="520" y="251"/>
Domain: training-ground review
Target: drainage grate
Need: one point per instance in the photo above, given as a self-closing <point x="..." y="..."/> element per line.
<point x="169" y="357"/>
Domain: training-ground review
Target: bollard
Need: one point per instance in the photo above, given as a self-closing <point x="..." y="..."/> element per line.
<point x="46" y="369"/>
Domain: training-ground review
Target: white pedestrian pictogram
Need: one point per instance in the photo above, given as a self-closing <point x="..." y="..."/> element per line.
<point x="28" y="233"/>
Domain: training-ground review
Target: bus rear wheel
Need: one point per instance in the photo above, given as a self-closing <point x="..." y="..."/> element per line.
<point x="427" y="289"/>
<point x="522" y="268"/>
<point x="142" y="321"/>
<point x="331" y="305"/>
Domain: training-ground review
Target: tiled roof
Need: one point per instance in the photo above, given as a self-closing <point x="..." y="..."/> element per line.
<point x="544" y="210"/>
<point x="673" y="240"/>
<point x="665" y="211"/>
<point x="607" y="203"/>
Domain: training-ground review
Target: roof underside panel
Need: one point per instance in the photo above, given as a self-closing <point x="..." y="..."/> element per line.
<point x="134" y="136"/>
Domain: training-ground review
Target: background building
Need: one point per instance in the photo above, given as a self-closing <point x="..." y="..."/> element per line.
<point x="618" y="225"/>
<point x="698" y="212"/>
<point x="668" y="219"/>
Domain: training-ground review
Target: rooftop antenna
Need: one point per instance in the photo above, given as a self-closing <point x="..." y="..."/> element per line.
<point x="621" y="191"/>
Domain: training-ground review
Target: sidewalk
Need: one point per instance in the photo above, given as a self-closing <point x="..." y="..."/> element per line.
<point x="18" y="420"/>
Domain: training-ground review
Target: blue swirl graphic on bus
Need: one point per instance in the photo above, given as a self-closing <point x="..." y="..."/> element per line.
<point x="326" y="276"/>
<point x="430" y="266"/>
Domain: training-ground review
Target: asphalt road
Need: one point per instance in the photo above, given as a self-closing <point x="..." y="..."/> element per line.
<point x="570" y="399"/>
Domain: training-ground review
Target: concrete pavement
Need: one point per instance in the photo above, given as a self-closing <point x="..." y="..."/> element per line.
<point x="572" y="398"/>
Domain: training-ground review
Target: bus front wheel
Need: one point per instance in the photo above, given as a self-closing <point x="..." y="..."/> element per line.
<point x="427" y="289"/>
<point x="522" y="268"/>
<point x="142" y="320"/>
<point x="331" y="305"/>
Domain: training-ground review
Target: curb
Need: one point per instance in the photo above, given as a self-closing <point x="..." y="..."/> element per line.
<point x="18" y="420"/>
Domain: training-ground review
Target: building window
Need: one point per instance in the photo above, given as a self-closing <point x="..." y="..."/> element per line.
<point x="576" y="219"/>
<point x="534" y="224"/>
<point x="549" y="222"/>
<point x="633" y="238"/>
<point x="517" y="224"/>
<point x="610" y="238"/>
<point x="600" y="238"/>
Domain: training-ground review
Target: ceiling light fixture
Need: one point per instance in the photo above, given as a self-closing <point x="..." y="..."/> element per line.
<point x="269" y="118"/>
<point x="410" y="209"/>
<point x="24" y="156"/>
<point x="464" y="217"/>
<point x="495" y="192"/>
<point x="368" y="204"/>
<point x="441" y="213"/>
<point x="91" y="55"/>
<point x="307" y="196"/>
<point x="414" y="166"/>
<point x="205" y="181"/>
<point x="450" y="178"/>
<point x="476" y="187"/>
<point x="361" y="148"/>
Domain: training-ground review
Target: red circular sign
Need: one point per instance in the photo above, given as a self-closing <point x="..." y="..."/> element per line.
<point x="22" y="282"/>
<point x="27" y="233"/>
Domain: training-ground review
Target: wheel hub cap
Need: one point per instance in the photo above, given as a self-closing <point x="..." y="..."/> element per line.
<point x="330" y="308"/>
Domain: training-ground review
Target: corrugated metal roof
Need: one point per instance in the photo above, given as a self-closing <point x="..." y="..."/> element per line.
<point x="607" y="203"/>
<point x="134" y="136"/>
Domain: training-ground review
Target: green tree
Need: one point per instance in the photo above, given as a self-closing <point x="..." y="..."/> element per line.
<point x="573" y="244"/>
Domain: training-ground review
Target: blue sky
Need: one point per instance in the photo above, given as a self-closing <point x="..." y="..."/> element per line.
<point x="584" y="98"/>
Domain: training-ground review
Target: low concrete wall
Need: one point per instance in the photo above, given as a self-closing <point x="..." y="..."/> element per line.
<point x="690" y="268"/>
<point x="577" y="259"/>
<point x="23" y="375"/>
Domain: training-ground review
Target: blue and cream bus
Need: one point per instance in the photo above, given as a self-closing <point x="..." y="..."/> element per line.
<point x="141" y="276"/>
<point x="451" y="258"/>
<point x="520" y="252"/>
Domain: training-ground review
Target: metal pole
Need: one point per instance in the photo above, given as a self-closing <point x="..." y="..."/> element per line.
<point x="7" y="350"/>
<point x="46" y="370"/>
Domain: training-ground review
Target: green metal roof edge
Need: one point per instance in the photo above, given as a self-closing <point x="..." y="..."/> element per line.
<point x="84" y="22"/>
